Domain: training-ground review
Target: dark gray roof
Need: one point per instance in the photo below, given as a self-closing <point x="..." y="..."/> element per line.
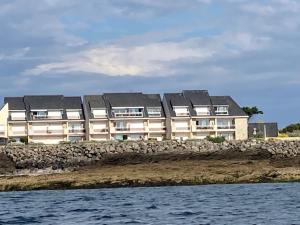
<point x="15" y="103"/>
<point x="93" y="102"/>
<point x="177" y="99"/>
<point x="72" y="103"/>
<point x="200" y="97"/>
<point x="47" y="102"/>
<point x="261" y="129"/>
<point x="197" y="97"/>
<point x="44" y="102"/>
<point x="110" y="100"/>
<point x="125" y="99"/>
<point x="233" y="108"/>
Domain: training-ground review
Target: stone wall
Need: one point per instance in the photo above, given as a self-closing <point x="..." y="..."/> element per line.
<point x="72" y="155"/>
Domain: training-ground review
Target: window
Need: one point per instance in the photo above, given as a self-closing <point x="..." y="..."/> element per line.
<point x="128" y="112"/>
<point x="154" y="112"/>
<point x="73" y="115"/>
<point x="202" y="110"/>
<point x="202" y="122"/>
<point x="98" y="113"/>
<point x="181" y="111"/>
<point x="221" y="110"/>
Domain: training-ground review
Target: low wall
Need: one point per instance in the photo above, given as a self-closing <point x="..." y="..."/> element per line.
<point x="72" y="155"/>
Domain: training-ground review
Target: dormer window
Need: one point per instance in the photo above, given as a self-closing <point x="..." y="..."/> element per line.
<point x="202" y="110"/>
<point x="221" y="110"/>
<point x="99" y="113"/>
<point x="154" y="112"/>
<point x="128" y="112"/>
<point x="73" y="114"/>
<point x="181" y="110"/>
<point x="45" y="114"/>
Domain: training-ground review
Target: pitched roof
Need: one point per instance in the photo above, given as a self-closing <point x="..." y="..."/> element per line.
<point x="192" y="98"/>
<point x="233" y="108"/>
<point x="72" y="103"/>
<point x="125" y="99"/>
<point x="15" y="103"/>
<point x="197" y="97"/>
<point x="44" y="102"/>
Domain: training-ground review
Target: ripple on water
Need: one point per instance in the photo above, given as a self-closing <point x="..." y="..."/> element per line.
<point x="213" y="204"/>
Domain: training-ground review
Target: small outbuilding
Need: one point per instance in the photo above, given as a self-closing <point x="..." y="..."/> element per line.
<point x="268" y="130"/>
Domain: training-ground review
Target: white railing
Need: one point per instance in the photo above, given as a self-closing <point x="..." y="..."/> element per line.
<point x="226" y="126"/>
<point x="103" y="130"/>
<point x="182" y="128"/>
<point x="18" y="132"/>
<point x="47" y="117"/>
<point x="49" y="132"/>
<point x="135" y="114"/>
<point x="201" y="127"/>
<point x="76" y="130"/>
<point x="182" y="114"/>
<point x="157" y="128"/>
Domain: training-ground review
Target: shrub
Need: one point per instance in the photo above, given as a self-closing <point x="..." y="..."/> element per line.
<point x="291" y="128"/>
<point x="24" y="140"/>
<point x="219" y="139"/>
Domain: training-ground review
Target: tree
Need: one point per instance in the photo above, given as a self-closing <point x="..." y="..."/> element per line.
<point x="291" y="128"/>
<point x="251" y="111"/>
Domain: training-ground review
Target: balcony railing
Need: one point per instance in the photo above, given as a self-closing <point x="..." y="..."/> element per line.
<point x="18" y="132"/>
<point x="182" y="114"/>
<point x="76" y="130"/>
<point x="201" y="127"/>
<point x="226" y="127"/>
<point x="103" y="130"/>
<point x="157" y="128"/>
<point x="221" y="112"/>
<point x="45" y="132"/>
<point x="136" y="129"/>
<point x="122" y="128"/>
<point x="46" y="117"/>
<point x="135" y="114"/>
<point x="182" y="128"/>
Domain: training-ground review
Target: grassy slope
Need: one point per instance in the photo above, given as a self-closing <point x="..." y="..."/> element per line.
<point x="164" y="172"/>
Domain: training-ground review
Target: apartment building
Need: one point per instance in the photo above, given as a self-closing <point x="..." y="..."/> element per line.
<point x="48" y="119"/>
<point x="124" y="116"/>
<point x="194" y="114"/>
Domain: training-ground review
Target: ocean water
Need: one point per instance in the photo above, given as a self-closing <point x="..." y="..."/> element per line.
<point x="211" y="204"/>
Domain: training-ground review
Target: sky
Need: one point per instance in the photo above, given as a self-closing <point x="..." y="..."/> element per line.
<point x="248" y="49"/>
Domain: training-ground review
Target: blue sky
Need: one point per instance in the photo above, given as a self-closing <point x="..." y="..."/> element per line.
<point x="248" y="49"/>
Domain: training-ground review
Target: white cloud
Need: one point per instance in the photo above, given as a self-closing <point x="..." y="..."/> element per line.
<point x="132" y="60"/>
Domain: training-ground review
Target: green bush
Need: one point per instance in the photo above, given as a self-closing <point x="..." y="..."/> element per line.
<point x="291" y="128"/>
<point x="24" y="140"/>
<point x="215" y="139"/>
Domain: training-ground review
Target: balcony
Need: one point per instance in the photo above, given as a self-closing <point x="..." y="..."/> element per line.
<point x="157" y="129"/>
<point x="204" y="127"/>
<point x="99" y="131"/>
<point x="228" y="127"/>
<point x="18" y="133"/>
<point x="135" y="114"/>
<point x="46" y="117"/>
<point x="182" y="114"/>
<point x="46" y="132"/>
<point x="76" y="130"/>
<point x="122" y="128"/>
<point x="182" y="129"/>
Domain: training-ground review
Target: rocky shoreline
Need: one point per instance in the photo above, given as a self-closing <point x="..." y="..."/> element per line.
<point x="119" y="164"/>
<point x="81" y="154"/>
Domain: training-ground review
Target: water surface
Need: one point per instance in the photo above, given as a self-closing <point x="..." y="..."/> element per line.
<point x="211" y="204"/>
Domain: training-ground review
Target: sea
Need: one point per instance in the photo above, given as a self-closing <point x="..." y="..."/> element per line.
<point x="183" y="205"/>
